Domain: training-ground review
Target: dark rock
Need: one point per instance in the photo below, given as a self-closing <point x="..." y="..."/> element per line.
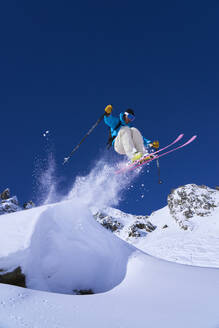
<point x="28" y="205"/>
<point x="150" y="227"/>
<point x="5" y="194"/>
<point x="15" y="277"/>
<point x="134" y="231"/>
<point x="165" y="226"/>
<point x="9" y="205"/>
<point x="108" y="222"/>
<point x="191" y="200"/>
<point x="13" y="200"/>
<point x="83" y="291"/>
<point x="111" y="225"/>
<point x="137" y="229"/>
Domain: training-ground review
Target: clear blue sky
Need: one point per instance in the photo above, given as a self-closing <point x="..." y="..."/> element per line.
<point x="61" y="62"/>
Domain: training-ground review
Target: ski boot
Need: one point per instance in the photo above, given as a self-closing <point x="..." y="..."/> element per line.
<point x="146" y="157"/>
<point x="136" y="157"/>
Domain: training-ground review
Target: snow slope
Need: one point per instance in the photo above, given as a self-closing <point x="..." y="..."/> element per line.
<point x="61" y="248"/>
<point x="197" y="247"/>
<point x="187" y="230"/>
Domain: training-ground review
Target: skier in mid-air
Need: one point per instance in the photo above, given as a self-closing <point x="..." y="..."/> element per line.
<point x="127" y="140"/>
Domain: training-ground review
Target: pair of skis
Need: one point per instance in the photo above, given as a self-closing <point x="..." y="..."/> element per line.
<point x="156" y="154"/>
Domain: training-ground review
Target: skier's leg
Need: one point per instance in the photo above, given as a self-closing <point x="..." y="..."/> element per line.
<point x="124" y="143"/>
<point x="138" y="140"/>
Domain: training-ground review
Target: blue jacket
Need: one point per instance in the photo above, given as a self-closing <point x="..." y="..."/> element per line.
<point x="113" y="121"/>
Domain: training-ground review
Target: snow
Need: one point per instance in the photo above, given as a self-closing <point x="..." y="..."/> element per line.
<point x="45" y="133"/>
<point x="197" y="247"/>
<point x="102" y="187"/>
<point x="16" y="230"/>
<point x="95" y="262"/>
<point x="9" y="205"/>
<point x="62" y="248"/>
<point x="136" y="282"/>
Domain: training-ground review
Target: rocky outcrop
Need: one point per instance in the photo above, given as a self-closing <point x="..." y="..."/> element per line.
<point x="125" y="225"/>
<point x="108" y="222"/>
<point x="140" y="227"/>
<point x="190" y="201"/>
<point x="10" y="204"/>
<point x="16" y="277"/>
<point x="83" y="292"/>
<point x="28" y="205"/>
<point x="5" y="194"/>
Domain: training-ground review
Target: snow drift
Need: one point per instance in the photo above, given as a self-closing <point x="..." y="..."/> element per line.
<point x="70" y="251"/>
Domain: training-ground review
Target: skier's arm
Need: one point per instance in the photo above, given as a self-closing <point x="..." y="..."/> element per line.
<point x="111" y="121"/>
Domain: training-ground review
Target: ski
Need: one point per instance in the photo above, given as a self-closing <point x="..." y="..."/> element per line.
<point x="158" y="151"/>
<point x="161" y="149"/>
<point x="139" y="163"/>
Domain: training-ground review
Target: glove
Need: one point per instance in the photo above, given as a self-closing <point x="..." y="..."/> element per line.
<point x="155" y="144"/>
<point x="108" y="109"/>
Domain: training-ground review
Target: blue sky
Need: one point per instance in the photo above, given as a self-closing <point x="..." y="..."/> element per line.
<point x="62" y="62"/>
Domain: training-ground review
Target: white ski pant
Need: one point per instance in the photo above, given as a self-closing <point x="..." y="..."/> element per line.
<point x="129" y="141"/>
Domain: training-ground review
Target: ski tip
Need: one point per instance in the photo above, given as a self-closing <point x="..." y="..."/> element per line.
<point x="193" y="138"/>
<point x="180" y="136"/>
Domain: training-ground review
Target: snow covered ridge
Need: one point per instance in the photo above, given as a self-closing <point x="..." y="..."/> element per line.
<point x="185" y="231"/>
<point x="189" y="201"/>
<point x="184" y="204"/>
<point x="10" y="204"/>
<point x="125" y="226"/>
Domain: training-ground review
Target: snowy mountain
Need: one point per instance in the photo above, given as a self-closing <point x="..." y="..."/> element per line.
<point x="10" y="204"/>
<point x="192" y="201"/>
<point x="185" y="231"/>
<point x="122" y="224"/>
<point x="62" y="252"/>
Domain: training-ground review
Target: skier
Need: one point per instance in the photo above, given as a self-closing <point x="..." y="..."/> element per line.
<point x="126" y="139"/>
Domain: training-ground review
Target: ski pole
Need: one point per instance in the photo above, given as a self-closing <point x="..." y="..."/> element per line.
<point x="86" y="135"/>
<point x="156" y="145"/>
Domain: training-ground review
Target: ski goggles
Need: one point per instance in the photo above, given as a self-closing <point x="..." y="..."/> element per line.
<point x="130" y="116"/>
